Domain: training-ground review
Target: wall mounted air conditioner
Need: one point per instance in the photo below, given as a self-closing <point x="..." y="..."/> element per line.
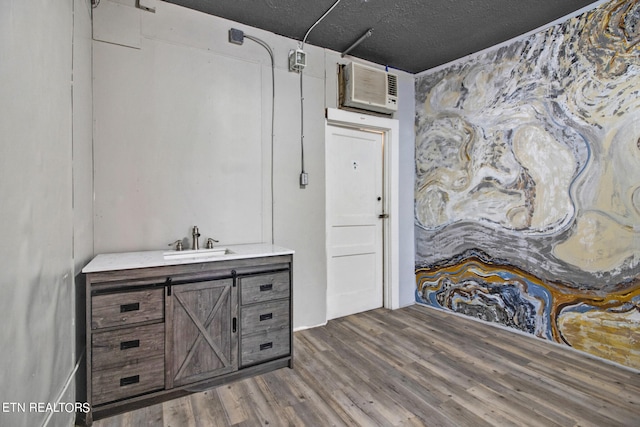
<point x="368" y="88"/>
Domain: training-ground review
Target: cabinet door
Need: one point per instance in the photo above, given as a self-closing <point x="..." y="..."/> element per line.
<point x="201" y="331"/>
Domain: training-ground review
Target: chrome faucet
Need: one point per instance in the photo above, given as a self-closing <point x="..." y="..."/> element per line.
<point x="196" y="236"/>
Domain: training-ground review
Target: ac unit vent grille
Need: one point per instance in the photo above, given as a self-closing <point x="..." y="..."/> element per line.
<point x="370" y="89"/>
<point x="392" y="80"/>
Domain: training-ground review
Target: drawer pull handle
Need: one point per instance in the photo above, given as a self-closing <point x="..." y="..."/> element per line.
<point x="267" y="287"/>
<point x="266" y="346"/>
<point x="129" y="380"/>
<point x="129" y="344"/>
<point x="267" y="316"/>
<point x="129" y="307"/>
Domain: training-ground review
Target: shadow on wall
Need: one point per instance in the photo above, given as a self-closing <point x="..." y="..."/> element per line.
<point x="527" y="195"/>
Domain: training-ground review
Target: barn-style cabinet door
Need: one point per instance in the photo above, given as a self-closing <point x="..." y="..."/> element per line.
<point x="202" y="339"/>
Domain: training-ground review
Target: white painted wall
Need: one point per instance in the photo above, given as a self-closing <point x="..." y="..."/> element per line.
<point x="82" y="176"/>
<point x="36" y="214"/>
<point x="82" y="136"/>
<point x="406" y="246"/>
<point x="182" y="138"/>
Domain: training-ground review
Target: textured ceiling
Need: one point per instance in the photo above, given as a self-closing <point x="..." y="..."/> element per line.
<point x="410" y="35"/>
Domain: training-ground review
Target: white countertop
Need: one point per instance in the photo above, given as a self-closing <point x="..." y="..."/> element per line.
<point x="130" y="260"/>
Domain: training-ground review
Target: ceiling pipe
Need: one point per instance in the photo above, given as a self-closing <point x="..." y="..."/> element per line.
<point x="304" y="40"/>
<point x="357" y="42"/>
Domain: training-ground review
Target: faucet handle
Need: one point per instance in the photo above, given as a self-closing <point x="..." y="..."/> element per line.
<point x="178" y="244"/>
<point x="210" y="242"/>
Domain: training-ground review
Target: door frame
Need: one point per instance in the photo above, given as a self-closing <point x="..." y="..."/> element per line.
<point x="390" y="129"/>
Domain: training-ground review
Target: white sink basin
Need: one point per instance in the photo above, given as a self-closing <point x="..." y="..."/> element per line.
<point x="200" y="253"/>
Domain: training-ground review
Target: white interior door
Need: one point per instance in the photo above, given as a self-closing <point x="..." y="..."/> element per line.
<point x="354" y="160"/>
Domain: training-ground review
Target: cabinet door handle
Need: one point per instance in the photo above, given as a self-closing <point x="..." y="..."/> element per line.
<point x="235" y="324"/>
<point x="267" y="287"/>
<point x="129" y="344"/>
<point x="129" y="380"/>
<point x="129" y="307"/>
<point x="266" y="346"/>
<point x="267" y="316"/>
<point x="167" y="283"/>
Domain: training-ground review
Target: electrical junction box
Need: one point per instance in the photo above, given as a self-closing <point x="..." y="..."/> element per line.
<point x="297" y="60"/>
<point x="236" y="36"/>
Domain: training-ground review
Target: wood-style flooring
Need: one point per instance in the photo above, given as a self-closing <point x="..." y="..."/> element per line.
<point x="415" y="366"/>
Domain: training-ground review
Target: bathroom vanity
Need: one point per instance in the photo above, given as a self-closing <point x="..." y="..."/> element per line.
<point x="160" y="326"/>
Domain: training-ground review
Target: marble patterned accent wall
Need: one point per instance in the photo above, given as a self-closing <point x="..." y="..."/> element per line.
<point x="527" y="193"/>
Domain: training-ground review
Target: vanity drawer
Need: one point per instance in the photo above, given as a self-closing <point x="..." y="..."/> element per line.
<point x="264" y="317"/>
<point x="117" y="348"/>
<point x="126" y="308"/>
<point x="264" y="346"/>
<point x="264" y="287"/>
<point x="136" y="378"/>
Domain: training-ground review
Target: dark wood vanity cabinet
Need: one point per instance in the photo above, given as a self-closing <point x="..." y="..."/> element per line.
<point x="159" y="333"/>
